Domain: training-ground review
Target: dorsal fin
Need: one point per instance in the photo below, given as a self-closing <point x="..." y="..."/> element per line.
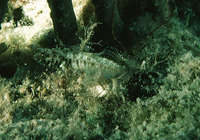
<point x="112" y="54"/>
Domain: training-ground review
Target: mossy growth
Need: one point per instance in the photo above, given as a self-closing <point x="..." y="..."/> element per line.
<point x="40" y="102"/>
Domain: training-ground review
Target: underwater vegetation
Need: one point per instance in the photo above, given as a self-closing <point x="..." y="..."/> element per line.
<point x="97" y="69"/>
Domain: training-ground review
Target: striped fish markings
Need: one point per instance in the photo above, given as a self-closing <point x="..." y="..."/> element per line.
<point x="88" y="62"/>
<point x="93" y="63"/>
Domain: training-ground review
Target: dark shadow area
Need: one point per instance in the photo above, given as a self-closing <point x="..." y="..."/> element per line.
<point x="7" y="71"/>
<point x="143" y="84"/>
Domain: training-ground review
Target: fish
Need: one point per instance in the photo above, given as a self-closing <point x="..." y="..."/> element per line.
<point x="86" y="62"/>
<point x="82" y="61"/>
<point x="92" y="62"/>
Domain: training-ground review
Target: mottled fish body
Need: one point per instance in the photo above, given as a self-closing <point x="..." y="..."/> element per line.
<point x="94" y="63"/>
<point x="82" y="61"/>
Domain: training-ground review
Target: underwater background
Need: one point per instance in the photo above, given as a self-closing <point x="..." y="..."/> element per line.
<point x="46" y="92"/>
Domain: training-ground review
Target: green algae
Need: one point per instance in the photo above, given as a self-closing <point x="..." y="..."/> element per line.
<point x="41" y="103"/>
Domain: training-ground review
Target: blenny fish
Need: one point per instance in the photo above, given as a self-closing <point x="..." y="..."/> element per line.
<point x="84" y="61"/>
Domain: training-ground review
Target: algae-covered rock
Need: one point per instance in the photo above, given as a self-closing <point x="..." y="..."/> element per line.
<point x="124" y="23"/>
<point x="21" y="32"/>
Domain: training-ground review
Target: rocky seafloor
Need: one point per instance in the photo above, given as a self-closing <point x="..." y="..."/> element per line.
<point x="158" y="100"/>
